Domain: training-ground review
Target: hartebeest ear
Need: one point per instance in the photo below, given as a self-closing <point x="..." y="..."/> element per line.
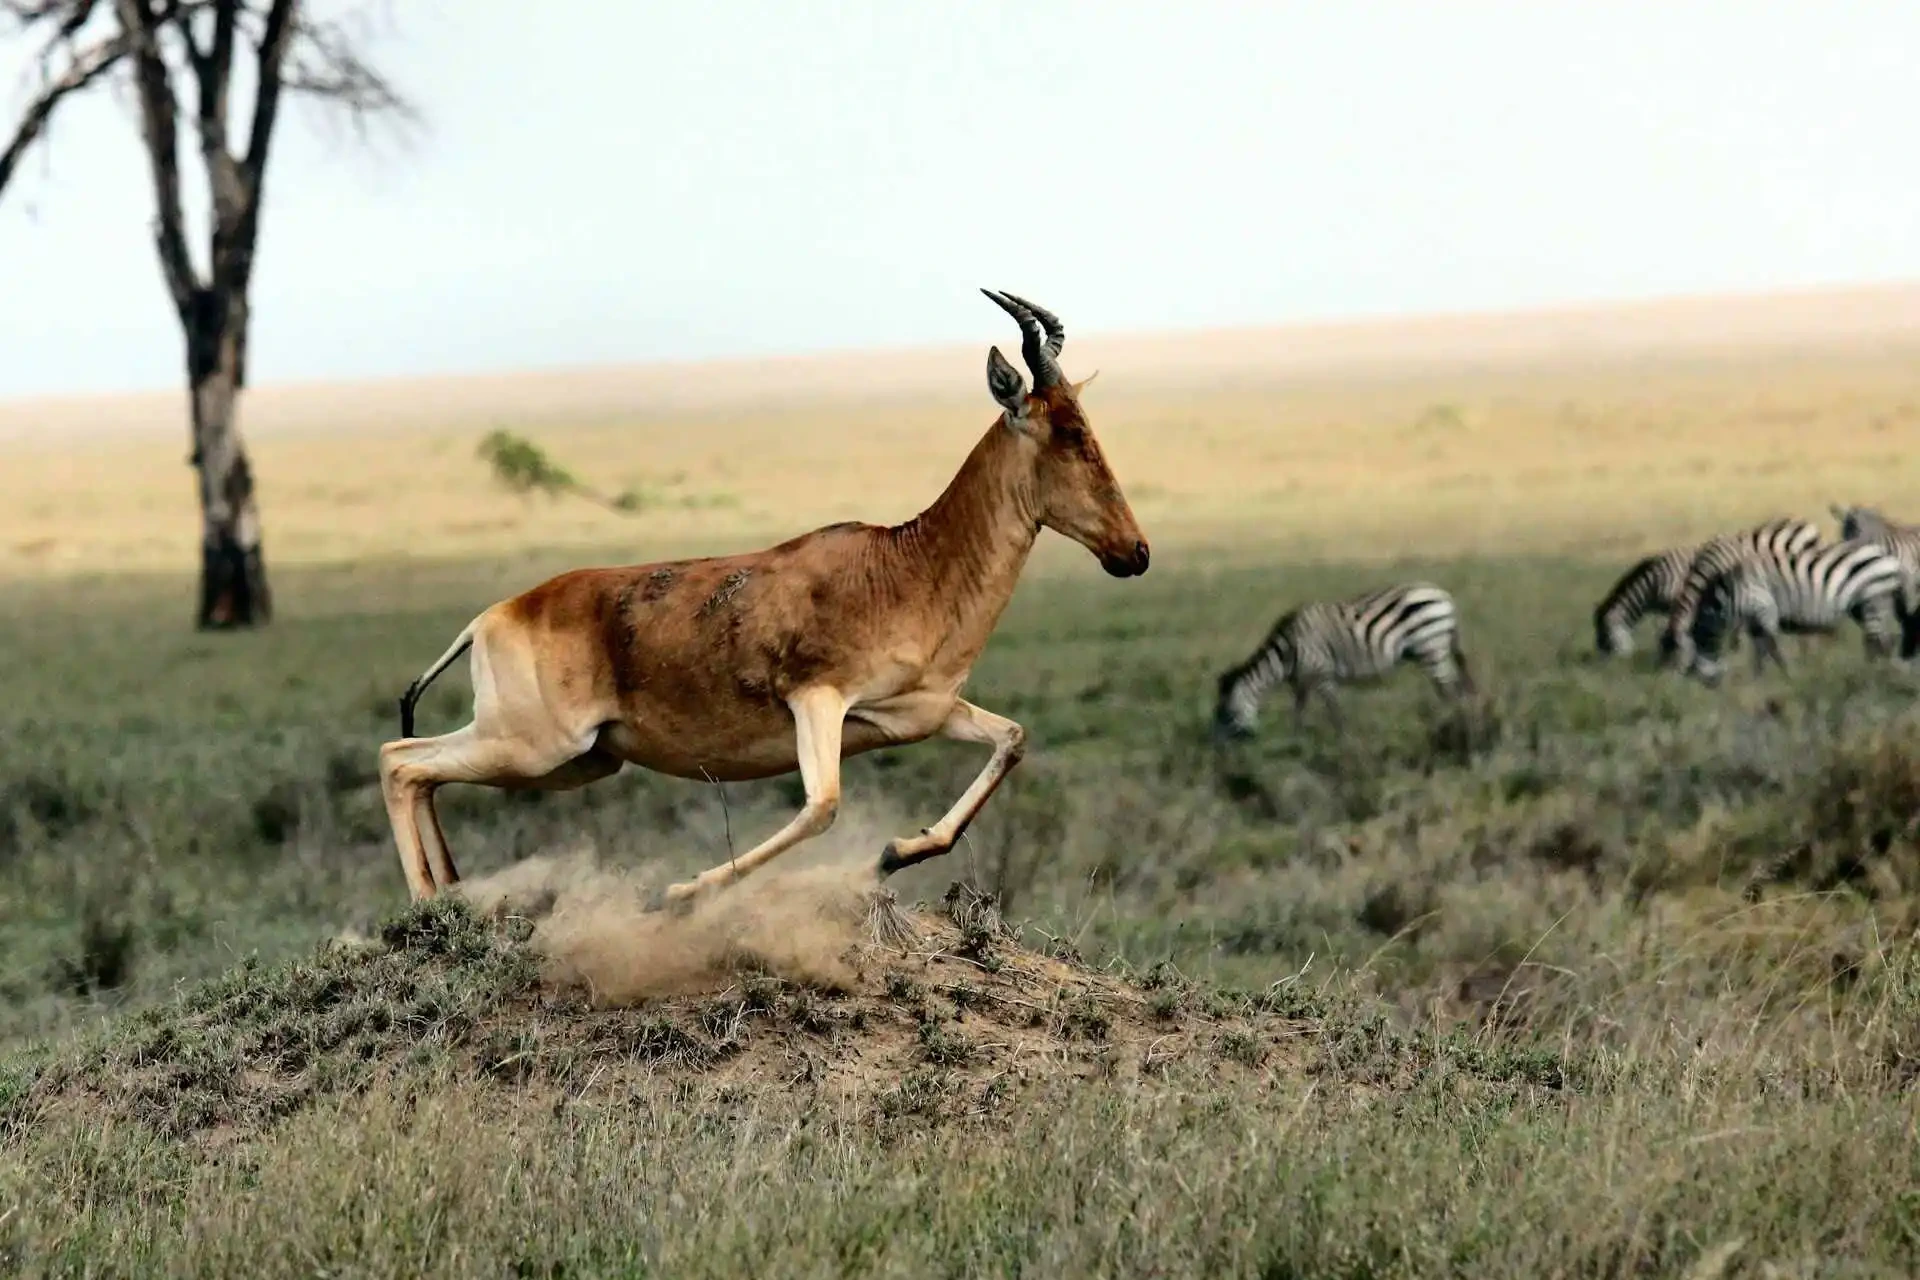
<point x="1009" y="388"/>
<point x="1082" y="385"/>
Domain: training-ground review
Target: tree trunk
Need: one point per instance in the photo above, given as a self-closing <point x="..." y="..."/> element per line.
<point x="233" y="568"/>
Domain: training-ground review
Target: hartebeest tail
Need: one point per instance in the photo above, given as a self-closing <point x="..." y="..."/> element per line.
<point x="461" y="644"/>
<point x="840" y="641"/>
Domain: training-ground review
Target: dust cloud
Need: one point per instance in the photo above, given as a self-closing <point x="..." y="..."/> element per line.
<point x="597" y="926"/>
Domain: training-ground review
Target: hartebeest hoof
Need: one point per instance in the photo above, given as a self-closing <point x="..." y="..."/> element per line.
<point x="675" y="899"/>
<point x="906" y="851"/>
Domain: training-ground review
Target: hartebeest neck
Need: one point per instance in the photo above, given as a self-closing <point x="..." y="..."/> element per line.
<point x="967" y="549"/>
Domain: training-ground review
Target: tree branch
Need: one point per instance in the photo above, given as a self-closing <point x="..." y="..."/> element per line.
<point x="326" y="63"/>
<point x="294" y="53"/>
<point x="266" y="104"/>
<point x="213" y="69"/>
<point x="87" y="66"/>
<point x="157" y="110"/>
<point x="233" y="263"/>
<point x="28" y="12"/>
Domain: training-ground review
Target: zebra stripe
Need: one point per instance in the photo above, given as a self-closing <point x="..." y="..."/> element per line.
<point x="1867" y="525"/>
<point x="1648" y="587"/>
<point x="1805" y="591"/>
<point x="1325" y="643"/>
<point x="1653" y="584"/>
<point x="1772" y="541"/>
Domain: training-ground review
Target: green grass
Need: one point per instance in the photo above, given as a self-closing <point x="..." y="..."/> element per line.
<point x="1628" y="988"/>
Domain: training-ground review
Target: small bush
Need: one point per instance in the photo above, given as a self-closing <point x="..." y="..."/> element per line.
<point x="1243" y="1047"/>
<point x="1393" y="908"/>
<point x="102" y="955"/>
<point x="942" y="1047"/>
<point x="49" y="803"/>
<point x="1867" y="798"/>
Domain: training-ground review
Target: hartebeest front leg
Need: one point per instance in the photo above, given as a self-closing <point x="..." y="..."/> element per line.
<point x="819" y="715"/>
<point x="965" y="723"/>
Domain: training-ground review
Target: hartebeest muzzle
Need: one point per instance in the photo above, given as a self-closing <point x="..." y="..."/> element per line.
<point x="1130" y="565"/>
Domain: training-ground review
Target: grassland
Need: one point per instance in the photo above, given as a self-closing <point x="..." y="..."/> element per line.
<point x="1625" y="986"/>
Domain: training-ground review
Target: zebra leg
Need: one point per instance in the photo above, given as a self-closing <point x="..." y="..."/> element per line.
<point x="1325" y="689"/>
<point x="1451" y="683"/>
<point x="1766" y="644"/>
<point x="1877" y="627"/>
<point x="1300" y="691"/>
<point x="1454" y="680"/>
<point x="1467" y="686"/>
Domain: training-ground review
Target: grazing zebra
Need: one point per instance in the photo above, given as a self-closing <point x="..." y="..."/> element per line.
<point x="1903" y="540"/>
<point x="1652" y="585"/>
<point x="1799" y="592"/>
<point x="1325" y="643"/>
<point x="1715" y="558"/>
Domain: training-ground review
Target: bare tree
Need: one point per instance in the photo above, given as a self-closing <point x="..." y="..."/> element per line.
<point x="179" y="57"/>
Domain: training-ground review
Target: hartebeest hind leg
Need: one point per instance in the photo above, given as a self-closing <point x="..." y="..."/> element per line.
<point x="965" y="723"/>
<point x="412" y="769"/>
<point x="819" y="715"/>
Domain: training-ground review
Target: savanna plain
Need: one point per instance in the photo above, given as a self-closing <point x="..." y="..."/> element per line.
<point x="1611" y="974"/>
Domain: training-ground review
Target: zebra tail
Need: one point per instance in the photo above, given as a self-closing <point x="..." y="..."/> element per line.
<point x="1909" y="618"/>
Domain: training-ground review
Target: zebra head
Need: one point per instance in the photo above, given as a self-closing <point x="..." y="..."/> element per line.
<point x="1858" y="522"/>
<point x="1612" y="637"/>
<point x="1702" y="650"/>
<point x="1237" y="706"/>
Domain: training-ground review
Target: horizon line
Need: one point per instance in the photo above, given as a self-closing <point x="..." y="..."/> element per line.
<point x="1344" y="324"/>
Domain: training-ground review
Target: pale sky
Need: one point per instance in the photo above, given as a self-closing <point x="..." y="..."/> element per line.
<point x="666" y="181"/>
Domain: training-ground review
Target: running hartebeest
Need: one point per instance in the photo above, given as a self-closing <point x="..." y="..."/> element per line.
<point x="852" y="637"/>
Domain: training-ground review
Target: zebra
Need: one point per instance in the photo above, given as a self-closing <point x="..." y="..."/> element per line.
<point x="1798" y="592"/>
<point x="1653" y="584"/>
<point x="1902" y="539"/>
<point x="1325" y="643"/>
<point x="1716" y="557"/>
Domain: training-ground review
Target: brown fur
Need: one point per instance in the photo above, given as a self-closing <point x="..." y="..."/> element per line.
<point x="837" y="642"/>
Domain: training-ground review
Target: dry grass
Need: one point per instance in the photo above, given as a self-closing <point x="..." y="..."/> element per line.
<point x="1628" y="989"/>
<point x="1639" y="427"/>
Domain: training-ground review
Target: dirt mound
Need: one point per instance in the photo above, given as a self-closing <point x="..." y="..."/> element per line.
<point x="938" y="1012"/>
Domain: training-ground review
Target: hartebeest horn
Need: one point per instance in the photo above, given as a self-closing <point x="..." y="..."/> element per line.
<point x="1056" y="332"/>
<point x="1041" y="337"/>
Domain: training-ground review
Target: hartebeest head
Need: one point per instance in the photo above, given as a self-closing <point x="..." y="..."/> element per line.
<point x="1075" y="491"/>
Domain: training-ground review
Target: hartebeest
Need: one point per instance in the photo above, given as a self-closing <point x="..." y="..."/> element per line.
<point x="842" y="640"/>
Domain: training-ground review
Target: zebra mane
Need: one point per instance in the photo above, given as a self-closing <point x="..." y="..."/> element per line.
<point x="1634" y="585"/>
<point x="1863" y="522"/>
<point x="1277" y="637"/>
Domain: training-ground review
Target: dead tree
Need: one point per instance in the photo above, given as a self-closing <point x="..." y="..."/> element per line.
<point x="179" y="59"/>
